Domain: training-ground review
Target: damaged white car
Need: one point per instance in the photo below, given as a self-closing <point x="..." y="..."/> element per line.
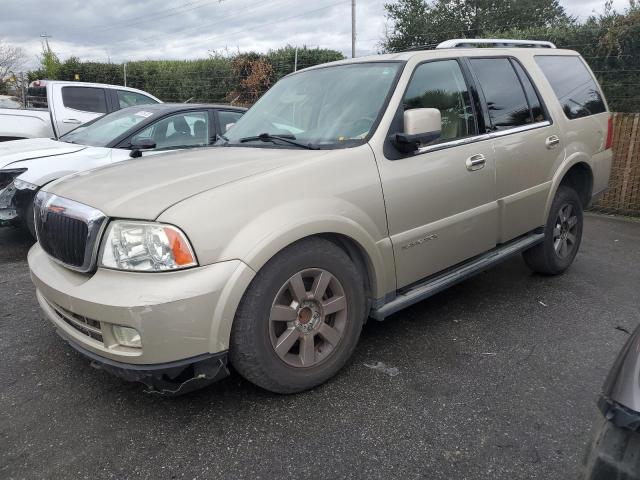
<point x="27" y="165"/>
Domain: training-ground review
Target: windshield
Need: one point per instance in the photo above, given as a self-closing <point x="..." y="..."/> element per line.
<point x="323" y="107"/>
<point x="104" y="130"/>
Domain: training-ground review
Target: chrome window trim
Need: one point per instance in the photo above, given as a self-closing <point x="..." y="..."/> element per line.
<point x="95" y="220"/>
<point x="479" y="138"/>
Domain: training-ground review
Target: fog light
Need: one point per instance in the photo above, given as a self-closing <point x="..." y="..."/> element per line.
<point x="127" y="336"/>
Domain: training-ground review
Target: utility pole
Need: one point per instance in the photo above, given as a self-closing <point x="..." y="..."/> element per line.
<point x="46" y="40"/>
<point x="295" y="61"/>
<point x="353" y="28"/>
<point x="124" y="67"/>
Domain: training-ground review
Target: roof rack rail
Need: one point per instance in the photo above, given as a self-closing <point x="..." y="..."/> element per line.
<point x="494" y="42"/>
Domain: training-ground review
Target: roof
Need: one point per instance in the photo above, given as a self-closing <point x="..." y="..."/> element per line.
<point x="448" y="53"/>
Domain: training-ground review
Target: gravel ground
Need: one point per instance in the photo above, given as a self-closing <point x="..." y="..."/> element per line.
<point x="496" y="378"/>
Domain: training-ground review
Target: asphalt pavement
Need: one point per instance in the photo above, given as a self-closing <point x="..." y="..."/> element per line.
<point x="495" y="378"/>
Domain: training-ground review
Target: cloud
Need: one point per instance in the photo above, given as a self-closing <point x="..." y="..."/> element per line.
<point x="122" y="30"/>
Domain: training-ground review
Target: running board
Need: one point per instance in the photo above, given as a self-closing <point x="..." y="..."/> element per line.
<point x="442" y="281"/>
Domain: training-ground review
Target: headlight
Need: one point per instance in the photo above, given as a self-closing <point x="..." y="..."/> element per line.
<point x="7" y="176"/>
<point x="22" y="185"/>
<point x="145" y="247"/>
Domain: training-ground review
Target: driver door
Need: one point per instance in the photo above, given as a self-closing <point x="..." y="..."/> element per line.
<point x="441" y="201"/>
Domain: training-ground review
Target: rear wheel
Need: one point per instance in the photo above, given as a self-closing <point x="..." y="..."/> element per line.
<point x="300" y="319"/>
<point x="563" y="233"/>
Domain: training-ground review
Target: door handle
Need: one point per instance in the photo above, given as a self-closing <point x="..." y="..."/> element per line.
<point x="552" y="142"/>
<point x="72" y="120"/>
<point x="475" y="162"/>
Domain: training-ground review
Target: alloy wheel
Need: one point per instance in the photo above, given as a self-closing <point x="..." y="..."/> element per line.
<point x="565" y="231"/>
<point x="308" y="318"/>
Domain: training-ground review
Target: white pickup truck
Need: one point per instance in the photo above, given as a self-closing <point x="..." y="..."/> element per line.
<point x="68" y="105"/>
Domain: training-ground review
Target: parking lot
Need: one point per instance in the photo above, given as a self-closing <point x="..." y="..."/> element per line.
<point x="496" y="378"/>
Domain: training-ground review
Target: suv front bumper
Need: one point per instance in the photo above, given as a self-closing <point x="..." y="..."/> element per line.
<point x="183" y="317"/>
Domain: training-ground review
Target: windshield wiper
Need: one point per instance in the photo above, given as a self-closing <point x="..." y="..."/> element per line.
<point x="290" y="139"/>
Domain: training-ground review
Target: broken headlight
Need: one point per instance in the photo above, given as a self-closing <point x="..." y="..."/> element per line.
<point x="7" y="176"/>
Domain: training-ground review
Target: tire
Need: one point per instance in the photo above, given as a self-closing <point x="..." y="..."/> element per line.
<point x="564" y="225"/>
<point x="279" y="340"/>
<point x="614" y="454"/>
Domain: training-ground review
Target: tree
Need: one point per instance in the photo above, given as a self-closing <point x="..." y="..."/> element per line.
<point x="11" y="59"/>
<point x="49" y="63"/>
<point x="420" y="22"/>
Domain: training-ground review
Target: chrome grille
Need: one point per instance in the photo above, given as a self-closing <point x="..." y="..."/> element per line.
<point x="68" y="231"/>
<point x="64" y="238"/>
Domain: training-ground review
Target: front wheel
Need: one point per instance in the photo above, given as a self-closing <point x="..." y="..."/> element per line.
<point x="563" y="234"/>
<point x="300" y="319"/>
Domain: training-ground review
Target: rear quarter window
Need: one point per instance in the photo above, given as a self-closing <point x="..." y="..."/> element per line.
<point x="574" y="86"/>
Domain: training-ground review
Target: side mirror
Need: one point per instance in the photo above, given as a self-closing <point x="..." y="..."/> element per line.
<point x="421" y="126"/>
<point x="139" y="145"/>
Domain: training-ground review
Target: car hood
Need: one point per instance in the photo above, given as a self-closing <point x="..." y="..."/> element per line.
<point x="18" y="150"/>
<point x="40" y="171"/>
<point x="144" y="188"/>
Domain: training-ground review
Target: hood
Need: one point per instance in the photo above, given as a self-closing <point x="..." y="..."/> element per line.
<point x="17" y="150"/>
<point x="43" y="170"/>
<point x="143" y="188"/>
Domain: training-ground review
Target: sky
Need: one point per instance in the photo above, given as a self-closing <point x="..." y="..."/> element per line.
<point x="125" y="30"/>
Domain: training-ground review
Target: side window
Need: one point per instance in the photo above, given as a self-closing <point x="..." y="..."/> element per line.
<point x="86" y="99"/>
<point x="507" y="103"/>
<point x="130" y="99"/>
<point x="187" y="129"/>
<point x="537" y="112"/>
<point x="226" y="118"/>
<point x="573" y="85"/>
<point x="441" y="85"/>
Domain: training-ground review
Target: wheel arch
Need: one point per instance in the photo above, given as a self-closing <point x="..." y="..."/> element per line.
<point x="352" y="239"/>
<point x="576" y="173"/>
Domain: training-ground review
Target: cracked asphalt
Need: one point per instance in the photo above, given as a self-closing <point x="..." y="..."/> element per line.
<point x="495" y="378"/>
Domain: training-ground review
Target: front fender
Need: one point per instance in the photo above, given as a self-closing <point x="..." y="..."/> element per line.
<point x="273" y="231"/>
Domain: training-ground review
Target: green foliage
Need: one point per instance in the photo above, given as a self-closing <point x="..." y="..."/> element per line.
<point x="49" y="63"/>
<point x="420" y="22"/>
<point x="218" y="78"/>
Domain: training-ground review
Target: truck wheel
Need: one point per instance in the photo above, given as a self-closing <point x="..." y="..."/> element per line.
<point x="563" y="233"/>
<point x="300" y="319"/>
<point x="614" y="454"/>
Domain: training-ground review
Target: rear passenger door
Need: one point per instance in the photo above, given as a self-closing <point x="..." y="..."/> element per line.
<point x="440" y="201"/>
<point x="74" y="105"/>
<point x="526" y="141"/>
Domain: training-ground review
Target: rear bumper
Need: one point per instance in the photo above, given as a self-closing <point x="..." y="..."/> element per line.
<point x="619" y="415"/>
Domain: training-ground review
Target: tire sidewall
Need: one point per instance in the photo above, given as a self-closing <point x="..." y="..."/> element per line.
<point x="270" y="280"/>
<point x="564" y="196"/>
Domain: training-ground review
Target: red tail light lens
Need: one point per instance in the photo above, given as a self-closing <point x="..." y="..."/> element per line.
<point x="609" y="143"/>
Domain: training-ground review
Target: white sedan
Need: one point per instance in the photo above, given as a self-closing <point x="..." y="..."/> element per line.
<point x="27" y="165"/>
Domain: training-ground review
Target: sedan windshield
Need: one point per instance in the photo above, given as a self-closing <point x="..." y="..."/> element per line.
<point x="103" y="131"/>
<point x="327" y="107"/>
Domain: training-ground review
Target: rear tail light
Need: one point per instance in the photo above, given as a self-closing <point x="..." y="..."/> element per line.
<point x="609" y="143"/>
